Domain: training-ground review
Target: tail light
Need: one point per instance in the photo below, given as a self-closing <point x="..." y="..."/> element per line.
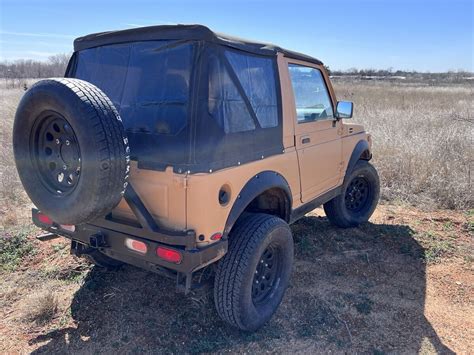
<point x="171" y="255"/>
<point x="216" y="236"/>
<point x="44" y="219"/>
<point x="136" y="245"/>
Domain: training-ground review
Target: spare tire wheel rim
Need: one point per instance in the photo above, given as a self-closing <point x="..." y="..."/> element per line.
<point x="266" y="277"/>
<point x="56" y="153"/>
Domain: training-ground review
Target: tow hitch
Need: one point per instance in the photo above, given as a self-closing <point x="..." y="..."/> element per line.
<point x="97" y="241"/>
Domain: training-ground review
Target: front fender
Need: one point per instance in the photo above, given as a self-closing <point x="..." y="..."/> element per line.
<point x="361" y="151"/>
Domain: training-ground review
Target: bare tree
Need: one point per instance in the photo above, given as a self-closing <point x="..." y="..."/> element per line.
<point x="28" y="68"/>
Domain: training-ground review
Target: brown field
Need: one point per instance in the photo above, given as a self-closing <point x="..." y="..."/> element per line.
<point x="423" y="140"/>
<point x="402" y="283"/>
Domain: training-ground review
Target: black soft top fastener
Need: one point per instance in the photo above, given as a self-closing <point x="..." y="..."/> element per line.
<point x="184" y="32"/>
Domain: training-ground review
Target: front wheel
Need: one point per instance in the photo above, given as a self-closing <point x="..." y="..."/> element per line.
<point x="359" y="197"/>
<point x="252" y="277"/>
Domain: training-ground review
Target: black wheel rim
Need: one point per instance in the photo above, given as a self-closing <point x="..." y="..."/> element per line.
<point x="357" y="194"/>
<point x="56" y="153"/>
<point x="266" y="275"/>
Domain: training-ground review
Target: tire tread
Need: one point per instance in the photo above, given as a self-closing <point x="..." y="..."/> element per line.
<point x="244" y="239"/>
<point x="110" y="140"/>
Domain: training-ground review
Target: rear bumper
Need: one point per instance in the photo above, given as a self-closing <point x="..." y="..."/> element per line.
<point x="109" y="237"/>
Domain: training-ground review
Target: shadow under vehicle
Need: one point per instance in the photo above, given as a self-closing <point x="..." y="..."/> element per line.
<point x="353" y="290"/>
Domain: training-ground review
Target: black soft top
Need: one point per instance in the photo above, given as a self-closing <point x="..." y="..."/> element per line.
<point x="184" y="33"/>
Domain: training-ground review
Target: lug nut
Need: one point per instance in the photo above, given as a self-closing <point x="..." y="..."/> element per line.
<point x="57" y="141"/>
<point x="67" y="142"/>
<point x="64" y="167"/>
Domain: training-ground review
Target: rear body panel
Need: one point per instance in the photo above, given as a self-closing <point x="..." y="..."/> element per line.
<point x="163" y="194"/>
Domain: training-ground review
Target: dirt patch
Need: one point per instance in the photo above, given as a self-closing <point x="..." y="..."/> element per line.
<point x="387" y="286"/>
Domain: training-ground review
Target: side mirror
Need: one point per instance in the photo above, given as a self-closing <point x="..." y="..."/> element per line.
<point x="344" y="109"/>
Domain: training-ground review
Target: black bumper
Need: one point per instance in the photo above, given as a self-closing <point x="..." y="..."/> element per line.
<point x="109" y="237"/>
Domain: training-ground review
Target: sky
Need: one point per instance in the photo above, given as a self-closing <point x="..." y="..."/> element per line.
<point x="422" y="35"/>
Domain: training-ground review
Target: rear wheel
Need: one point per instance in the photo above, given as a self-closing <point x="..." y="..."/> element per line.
<point x="359" y="197"/>
<point x="252" y="277"/>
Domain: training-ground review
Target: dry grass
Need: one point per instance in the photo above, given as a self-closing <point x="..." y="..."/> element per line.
<point x="12" y="194"/>
<point x="41" y="307"/>
<point x="423" y="140"/>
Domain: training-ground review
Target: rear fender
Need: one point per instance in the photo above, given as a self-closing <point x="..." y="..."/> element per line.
<point x="257" y="185"/>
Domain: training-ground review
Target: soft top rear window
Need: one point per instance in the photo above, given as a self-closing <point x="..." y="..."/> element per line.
<point x="148" y="82"/>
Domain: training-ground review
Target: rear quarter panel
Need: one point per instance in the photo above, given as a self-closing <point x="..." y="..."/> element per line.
<point x="204" y="212"/>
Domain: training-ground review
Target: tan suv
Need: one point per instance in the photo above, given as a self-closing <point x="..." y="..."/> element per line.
<point x="189" y="153"/>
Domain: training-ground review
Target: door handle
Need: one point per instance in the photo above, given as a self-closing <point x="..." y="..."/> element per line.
<point x="305" y="140"/>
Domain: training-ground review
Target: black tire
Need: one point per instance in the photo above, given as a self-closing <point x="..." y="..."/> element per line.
<point x="359" y="197"/>
<point x="73" y="123"/>
<point x="99" y="259"/>
<point x="236" y="285"/>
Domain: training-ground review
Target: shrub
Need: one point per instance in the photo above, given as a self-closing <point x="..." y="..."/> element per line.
<point x="41" y="307"/>
<point x="13" y="248"/>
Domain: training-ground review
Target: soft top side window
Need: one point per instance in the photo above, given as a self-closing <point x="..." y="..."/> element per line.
<point x="226" y="104"/>
<point x="312" y="99"/>
<point x="242" y="92"/>
<point x="257" y="77"/>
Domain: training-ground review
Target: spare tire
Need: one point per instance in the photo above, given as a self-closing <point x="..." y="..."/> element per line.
<point x="70" y="149"/>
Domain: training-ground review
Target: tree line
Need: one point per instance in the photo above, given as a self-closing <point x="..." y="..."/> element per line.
<point x="55" y="66"/>
<point x="451" y="75"/>
<point x="15" y="71"/>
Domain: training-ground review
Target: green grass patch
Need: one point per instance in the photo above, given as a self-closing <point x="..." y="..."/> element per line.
<point x="437" y="249"/>
<point x="14" y="247"/>
<point x="59" y="247"/>
<point x="448" y="226"/>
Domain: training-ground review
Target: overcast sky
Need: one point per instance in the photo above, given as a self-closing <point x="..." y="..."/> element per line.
<point x="423" y="35"/>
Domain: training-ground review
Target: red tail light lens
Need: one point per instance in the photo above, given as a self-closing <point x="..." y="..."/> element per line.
<point x="136" y="245"/>
<point x="171" y="255"/>
<point x="216" y="236"/>
<point x="44" y="219"/>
